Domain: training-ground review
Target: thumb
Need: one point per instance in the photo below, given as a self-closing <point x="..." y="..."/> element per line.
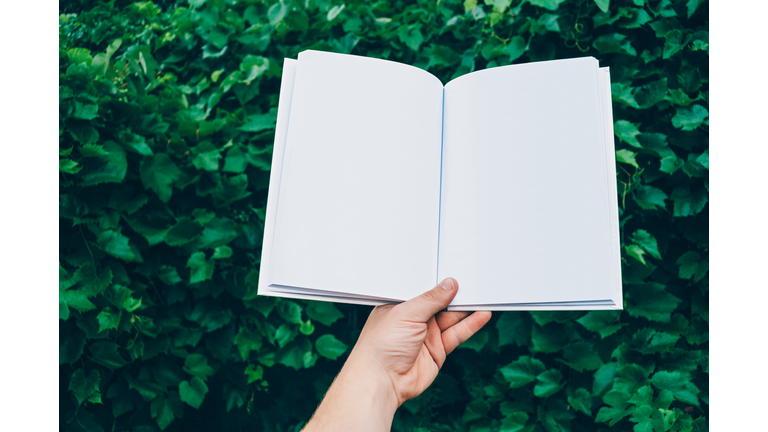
<point x="425" y="306"/>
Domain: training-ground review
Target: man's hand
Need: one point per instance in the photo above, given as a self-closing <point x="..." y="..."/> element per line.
<point x="398" y="355"/>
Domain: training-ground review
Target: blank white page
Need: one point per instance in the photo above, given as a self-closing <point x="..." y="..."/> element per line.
<point x="525" y="199"/>
<point x="358" y="207"/>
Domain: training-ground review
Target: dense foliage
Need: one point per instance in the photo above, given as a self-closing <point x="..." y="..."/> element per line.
<point x="166" y="123"/>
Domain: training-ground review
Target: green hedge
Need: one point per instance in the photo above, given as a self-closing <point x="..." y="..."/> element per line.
<point x="166" y="125"/>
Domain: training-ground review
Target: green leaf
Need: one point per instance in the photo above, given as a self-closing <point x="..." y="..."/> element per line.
<point x="477" y="341"/>
<point x="674" y="41"/>
<point x="653" y="302"/>
<point x="185" y="231"/>
<point x="328" y="346"/>
<point x="516" y="48"/>
<point x="90" y="281"/>
<point x="165" y="408"/>
<point x="603" y="4"/>
<point x="235" y="162"/>
<point x="325" y="313"/>
<point x="547" y="4"/>
<point x="218" y="232"/>
<point x="635" y="252"/>
<point x="692" y="5"/>
<point x="259" y="122"/>
<point x="222" y="252"/>
<point x="582" y="356"/>
<point x="135" y="143"/>
<point x="158" y="173"/>
<point x="692" y="266"/>
<point x="411" y="36"/>
<point x="206" y="157"/>
<point x="68" y="166"/>
<point x="197" y="365"/>
<point x="627" y="132"/>
<point x="690" y="118"/>
<point x="703" y="159"/>
<point x="581" y="401"/>
<point x="289" y="311"/>
<point x="79" y="55"/>
<point x="614" y="43"/>
<point x="254" y="373"/>
<point x="107" y="165"/>
<point x="548" y="383"/>
<point x="247" y="341"/>
<point x="294" y="354"/>
<point x="627" y="157"/>
<point x="515" y="422"/>
<point x="201" y="269"/>
<point x="77" y="300"/>
<point x="513" y="328"/>
<point x="687" y="202"/>
<point x="650" y="198"/>
<point x="108" y="319"/>
<point x="442" y="55"/>
<point x="85" y="388"/>
<point x="605" y="323"/>
<point x="105" y="354"/>
<point x="679" y="384"/>
<point x="116" y="244"/>
<point x="307" y="328"/>
<point x="651" y="93"/>
<point x="618" y="401"/>
<point x="285" y="334"/>
<point x="193" y="392"/>
<point x="522" y="371"/>
<point x="647" y="242"/>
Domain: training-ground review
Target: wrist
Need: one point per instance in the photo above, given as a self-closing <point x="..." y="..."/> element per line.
<point x="361" y="397"/>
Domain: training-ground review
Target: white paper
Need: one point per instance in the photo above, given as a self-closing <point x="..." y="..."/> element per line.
<point x="525" y="188"/>
<point x="358" y="204"/>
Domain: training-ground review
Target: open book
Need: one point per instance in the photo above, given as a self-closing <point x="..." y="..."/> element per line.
<point x="384" y="182"/>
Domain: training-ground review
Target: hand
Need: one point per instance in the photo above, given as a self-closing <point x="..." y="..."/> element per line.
<point x="398" y="355"/>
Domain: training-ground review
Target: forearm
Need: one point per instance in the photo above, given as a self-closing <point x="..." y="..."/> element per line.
<point x="358" y="400"/>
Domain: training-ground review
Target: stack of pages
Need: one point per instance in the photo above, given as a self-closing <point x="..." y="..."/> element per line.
<point x="384" y="182"/>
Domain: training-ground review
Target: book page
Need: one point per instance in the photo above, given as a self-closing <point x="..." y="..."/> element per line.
<point x="525" y="204"/>
<point x="358" y="204"/>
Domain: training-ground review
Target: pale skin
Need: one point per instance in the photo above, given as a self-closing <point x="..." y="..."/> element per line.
<point x="398" y="355"/>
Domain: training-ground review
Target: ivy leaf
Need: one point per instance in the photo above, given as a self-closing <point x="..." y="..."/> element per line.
<point x="674" y="41"/>
<point x="687" y="202"/>
<point x="116" y="244"/>
<point x="68" y="166"/>
<point x="108" y="165"/>
<point x="649" y="197"/>
<point x="235" y="161"/>
<point x="85" y="388"/>
<point x="522" y="371"/>
<point x="605" y="323"/>
<point x="108" y="319"/>
<point x="635" y="252"/>
<point x="547" y="4"/>
<point x="328" y="346"/>
<point x="516" y="48"/>
<point x="201" y="269"/>
<point x="515" y="422"/>
<point x="627" y="132"/>
<point x="411" y="36"/>
<point x="679" y="384"/>
<point x="441" y="55"/>
<point x="197" y="365"/>
<point x="165" y="408"/>
<point x="618" y="401"/>
<point x="254" y="373"/>
<point x="324" y="312"/>
<point x="653" y="302"/>
<point x="285" y="334"/>
<point x="259" y="122"/>
<point x="651" y="93"/>
<point x="294" y="354"/>
<point x="158" y="173"/>
<point x="692" y="266"/>
<point x="614" y="43"/>
<point x="289" y="311"/>
<point x="77" y="300"/>
<point x="603" y="4"/>
<point x="193" y="392"/>
<point x="185" y="231"/>
<point x="513" y="327"/>
<point x="90" y="281"/>
<point x="105" y="354"/>
<point x="690" y="118"/>
<point x="548" y="383"/>
<point x="703" y="159"/>
<point x="647" y="242"/>
<point x="581" y="401"/>
<point x="247" y="341"/>
<point x="582" y="356"/>
<point x="206" y="157"/>
<point x="627" y="157"/>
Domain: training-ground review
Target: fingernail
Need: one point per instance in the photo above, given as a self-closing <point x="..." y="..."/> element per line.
<point x="447" y="284"/>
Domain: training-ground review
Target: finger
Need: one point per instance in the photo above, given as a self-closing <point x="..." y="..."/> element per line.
<point x="425" y="306"/>
<point x="434" y="342"/>
<point x="447" y="319"/>
<point x="464" y="329"/>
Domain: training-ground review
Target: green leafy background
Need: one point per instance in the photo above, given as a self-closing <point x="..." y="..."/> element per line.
<point x="166" y="121"/>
